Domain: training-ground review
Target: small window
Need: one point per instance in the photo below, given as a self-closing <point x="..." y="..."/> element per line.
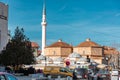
<point x="63" y="70"/>
<point x="54" y="53"/>
<point x="83" y="52"/>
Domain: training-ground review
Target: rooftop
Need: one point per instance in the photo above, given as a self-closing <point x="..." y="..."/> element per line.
<point x="34" y="45"/>
<point x="59" y="43"/>
<point x="88" y="43"/>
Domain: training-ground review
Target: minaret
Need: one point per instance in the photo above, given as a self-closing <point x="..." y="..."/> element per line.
<point x="44" y="24"/>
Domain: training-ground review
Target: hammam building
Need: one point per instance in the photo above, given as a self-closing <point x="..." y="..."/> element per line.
<point x="58" y="49"/>
<point x="3" y="25"/>
<point x="91" y="49"/>
<point x="86" y="49"/>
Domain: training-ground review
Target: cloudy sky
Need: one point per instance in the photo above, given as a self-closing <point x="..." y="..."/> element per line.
<point x="70" y="20"/>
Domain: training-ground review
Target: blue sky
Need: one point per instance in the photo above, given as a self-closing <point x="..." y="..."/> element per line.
<point x="70" y="20"/>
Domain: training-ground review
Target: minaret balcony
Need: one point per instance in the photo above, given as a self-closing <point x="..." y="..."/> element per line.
<point x="43" y="23"/>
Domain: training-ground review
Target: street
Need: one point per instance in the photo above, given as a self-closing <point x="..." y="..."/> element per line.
<point x="30" y="78"/>
<point x="82" y="79"/>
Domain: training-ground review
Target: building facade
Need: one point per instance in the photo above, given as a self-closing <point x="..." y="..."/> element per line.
<point x="111" y="57"/>
<point x="35" y="48"/>
<point x="91" y="49"/>
<point x="58" y="49"/>
<point x="3" y="25"/>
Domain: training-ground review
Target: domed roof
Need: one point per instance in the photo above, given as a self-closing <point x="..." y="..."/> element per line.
<point x="60" y="44"/>
<point x="82" y="59"/>
<point x="74" y="55"/>
<point x="88" y="43"/>
<point x="49" y="59"/>
<point x="41" y="57"/>
<point x="59" y="59"/>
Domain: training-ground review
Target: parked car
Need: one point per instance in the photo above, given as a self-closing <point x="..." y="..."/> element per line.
<point x="115" y="74"/>
<point x="101" y="74"/>
<point x="90" y="73"/>
<point x="8" y="69"/>
<point x="57" y="70"/>
<point x="81" y="73"/>
<point x="7" y="76"/>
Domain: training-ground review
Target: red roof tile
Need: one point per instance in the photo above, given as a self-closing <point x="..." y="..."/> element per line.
<point x="34" y="45"/>
<point x="110" y="50"/>
<point x="88" y="43"/>
<point x="60" y="44"/>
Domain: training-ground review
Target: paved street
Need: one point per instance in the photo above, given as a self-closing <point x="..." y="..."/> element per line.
<point x="82" y="79"/>
<point x="29" y="78"/>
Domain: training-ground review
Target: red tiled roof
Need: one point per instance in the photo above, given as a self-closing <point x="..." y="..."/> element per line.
<point x="88" y="43"/>
<point x="60" y="44"/>
<point x="110" y="50"/>
<point x="34" y="45"/>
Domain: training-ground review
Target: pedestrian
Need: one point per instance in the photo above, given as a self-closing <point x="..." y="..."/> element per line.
<point x="74" y="76"/>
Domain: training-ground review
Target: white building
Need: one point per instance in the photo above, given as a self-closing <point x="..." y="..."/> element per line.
<point x="3" y="25"/>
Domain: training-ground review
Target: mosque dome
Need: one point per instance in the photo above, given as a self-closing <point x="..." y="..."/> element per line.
<point x="41" y="57"/>
<point x="88" y="43"/>
<point x="59" y="59"/>
<point x="60" y="44"/>
<point x="91" y="60"/>
<point x="82" y="59"/>
<point x="49" y="59"/>
<point x="74" y="55"/>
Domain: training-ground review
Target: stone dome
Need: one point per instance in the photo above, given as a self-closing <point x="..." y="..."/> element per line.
<point x="41" y="57"/>
<point x="49" y="59"/>
<point x="74" y="55"/>
<point x="88" y="43"/>
<point x="82" y="59"/>
<point x="91" y="60"/>
<point x="59" y="59"/>
<point x="60" y="44"/>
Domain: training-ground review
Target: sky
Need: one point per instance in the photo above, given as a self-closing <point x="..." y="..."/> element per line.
<point x="73" y="21"/>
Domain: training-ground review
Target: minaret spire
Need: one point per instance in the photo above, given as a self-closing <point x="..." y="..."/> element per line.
<point x="44" y="24"/>
<point x="44" y="12"/>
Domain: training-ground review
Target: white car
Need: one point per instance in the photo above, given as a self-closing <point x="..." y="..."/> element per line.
<point x="7" y="76"/>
